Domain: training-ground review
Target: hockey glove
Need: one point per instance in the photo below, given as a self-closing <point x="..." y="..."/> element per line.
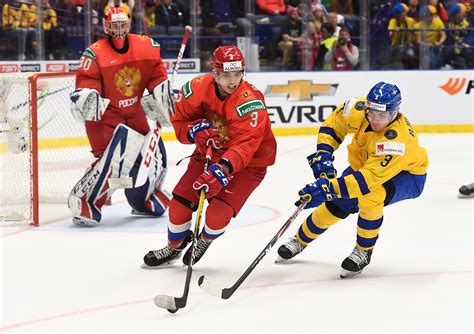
<point x="321" y="164"/>
<point x="318" y="192"/>
<point x="159" y="106"/>
<point x="204" y="134"/>
<point x="87" y="104"/>
<point x="212" y="180"/>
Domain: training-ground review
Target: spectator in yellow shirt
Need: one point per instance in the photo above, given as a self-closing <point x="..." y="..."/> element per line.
<point x="398" y="25"/>
<point x="15" y="20"/>
<point x="400" y="30"/>
<point x="458" y="48"/>
<point x="119" y="4"/>
<point x="150" y="17"/>
<point x="434" y="34"/>
<point x="430" y="32"/>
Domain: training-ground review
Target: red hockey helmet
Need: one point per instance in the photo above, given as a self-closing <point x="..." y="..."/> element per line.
<point x="116" y="23"/>
<point x="228" y="58"/>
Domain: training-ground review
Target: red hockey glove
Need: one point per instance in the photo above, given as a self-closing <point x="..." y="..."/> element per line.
<point x="213" y="180"/>
<point x="204" y="134"/>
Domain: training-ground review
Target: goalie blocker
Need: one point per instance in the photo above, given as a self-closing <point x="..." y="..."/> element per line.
<point x="121" y="162"/>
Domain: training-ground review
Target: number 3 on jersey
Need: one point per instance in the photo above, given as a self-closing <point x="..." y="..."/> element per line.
<point x="386" y="161"/>
<point x="254" y="119"/>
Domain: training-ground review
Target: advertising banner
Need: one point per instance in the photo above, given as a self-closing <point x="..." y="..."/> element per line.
<point x="305" y="99"/>
<point x="187" y="65"/>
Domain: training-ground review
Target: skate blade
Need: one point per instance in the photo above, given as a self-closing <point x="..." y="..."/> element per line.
<point x="346" y="273"/>
<point x="279" y="259"/>
<point x="161" y="266"/>
<point x="141" y="214"/>
<point x="84" y="222"/>
<point x="465" y="196"/>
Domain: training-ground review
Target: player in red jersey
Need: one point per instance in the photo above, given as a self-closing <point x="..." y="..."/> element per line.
<point x="112" y="76"/>
<point x="223" y="110"/>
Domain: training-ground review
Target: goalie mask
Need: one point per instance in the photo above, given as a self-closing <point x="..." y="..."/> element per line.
<point x="116" y="23"/>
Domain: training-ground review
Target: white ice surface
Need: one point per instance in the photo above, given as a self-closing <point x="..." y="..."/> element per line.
<point x="60" y="278"/>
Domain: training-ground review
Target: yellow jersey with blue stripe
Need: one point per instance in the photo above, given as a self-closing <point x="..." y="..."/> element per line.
<point x="376" y="157"/>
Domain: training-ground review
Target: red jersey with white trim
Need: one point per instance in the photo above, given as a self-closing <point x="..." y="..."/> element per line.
<point x="122" y="75"/>
<point x="241" y="117"/>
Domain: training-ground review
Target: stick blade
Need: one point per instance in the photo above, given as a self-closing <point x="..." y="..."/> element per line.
<point x="209" y="286"/>
<point x="166" y="302"/>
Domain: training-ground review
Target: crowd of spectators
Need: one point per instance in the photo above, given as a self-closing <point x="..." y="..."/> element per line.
<point x="446" y="33"/>
<point x="292" y="34"/>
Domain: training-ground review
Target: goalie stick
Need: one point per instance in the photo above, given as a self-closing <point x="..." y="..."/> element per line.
<point x="173" y="304"/>
<point x="225" y="293"/>
<point x="184" y="42"/>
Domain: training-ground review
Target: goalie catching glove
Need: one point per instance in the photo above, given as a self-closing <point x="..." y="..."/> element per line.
<point x="87" y="104"/>
<point x="159" y="106"/>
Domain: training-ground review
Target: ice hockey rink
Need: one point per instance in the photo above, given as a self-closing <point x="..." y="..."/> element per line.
<point x="62" y="278"/>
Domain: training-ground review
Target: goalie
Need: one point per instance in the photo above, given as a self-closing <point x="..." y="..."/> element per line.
<point x="112" y="76"/>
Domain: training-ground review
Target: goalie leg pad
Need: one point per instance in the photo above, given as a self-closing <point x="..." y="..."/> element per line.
<point x="92" y="191"/>
<point x="155" y="205"/>
<point x="149" y="198"/>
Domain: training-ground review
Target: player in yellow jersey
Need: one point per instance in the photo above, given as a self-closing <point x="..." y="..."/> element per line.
<point x="387" y="165"/>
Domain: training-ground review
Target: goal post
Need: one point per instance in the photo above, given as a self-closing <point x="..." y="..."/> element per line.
<point x="44" y="151"/>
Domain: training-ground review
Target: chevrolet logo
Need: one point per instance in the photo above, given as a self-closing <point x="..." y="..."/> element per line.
<point x="301" y="90"/>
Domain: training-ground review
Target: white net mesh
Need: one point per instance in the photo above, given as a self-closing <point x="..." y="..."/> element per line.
<point x="63" y="150"/>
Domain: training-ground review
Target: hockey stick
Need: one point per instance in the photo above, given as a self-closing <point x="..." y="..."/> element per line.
<point x="207" y="284"/>
<point x="173" y="304"/>
<point x="41" y="96"/>
<point x="184" y="42"/>
<point x="148" y="99"/>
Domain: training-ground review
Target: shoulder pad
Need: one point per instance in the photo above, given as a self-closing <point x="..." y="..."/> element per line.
<point x="187" y="89"/>
<point x="154" y="44"/>
<point x="89" y="53"/>
<point x="353" y="103"/>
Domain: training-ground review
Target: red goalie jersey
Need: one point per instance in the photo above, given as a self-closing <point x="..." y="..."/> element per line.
<point x="241" y="118"/>
<point x="122" y="75"/>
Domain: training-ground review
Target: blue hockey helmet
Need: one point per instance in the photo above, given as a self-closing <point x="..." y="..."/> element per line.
<point x="384" y="97"/>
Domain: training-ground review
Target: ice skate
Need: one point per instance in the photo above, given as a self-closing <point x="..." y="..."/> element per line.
<point x="200" y="248"/>
<point x="356" y="262"/>
<point x="166" y="256"/>
<point x="82" y="221"/>
<point x="289" y="250"/>
<point x="466" y="191"/>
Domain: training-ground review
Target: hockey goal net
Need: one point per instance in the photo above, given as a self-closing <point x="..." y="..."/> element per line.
<point x="43" y="150"/>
